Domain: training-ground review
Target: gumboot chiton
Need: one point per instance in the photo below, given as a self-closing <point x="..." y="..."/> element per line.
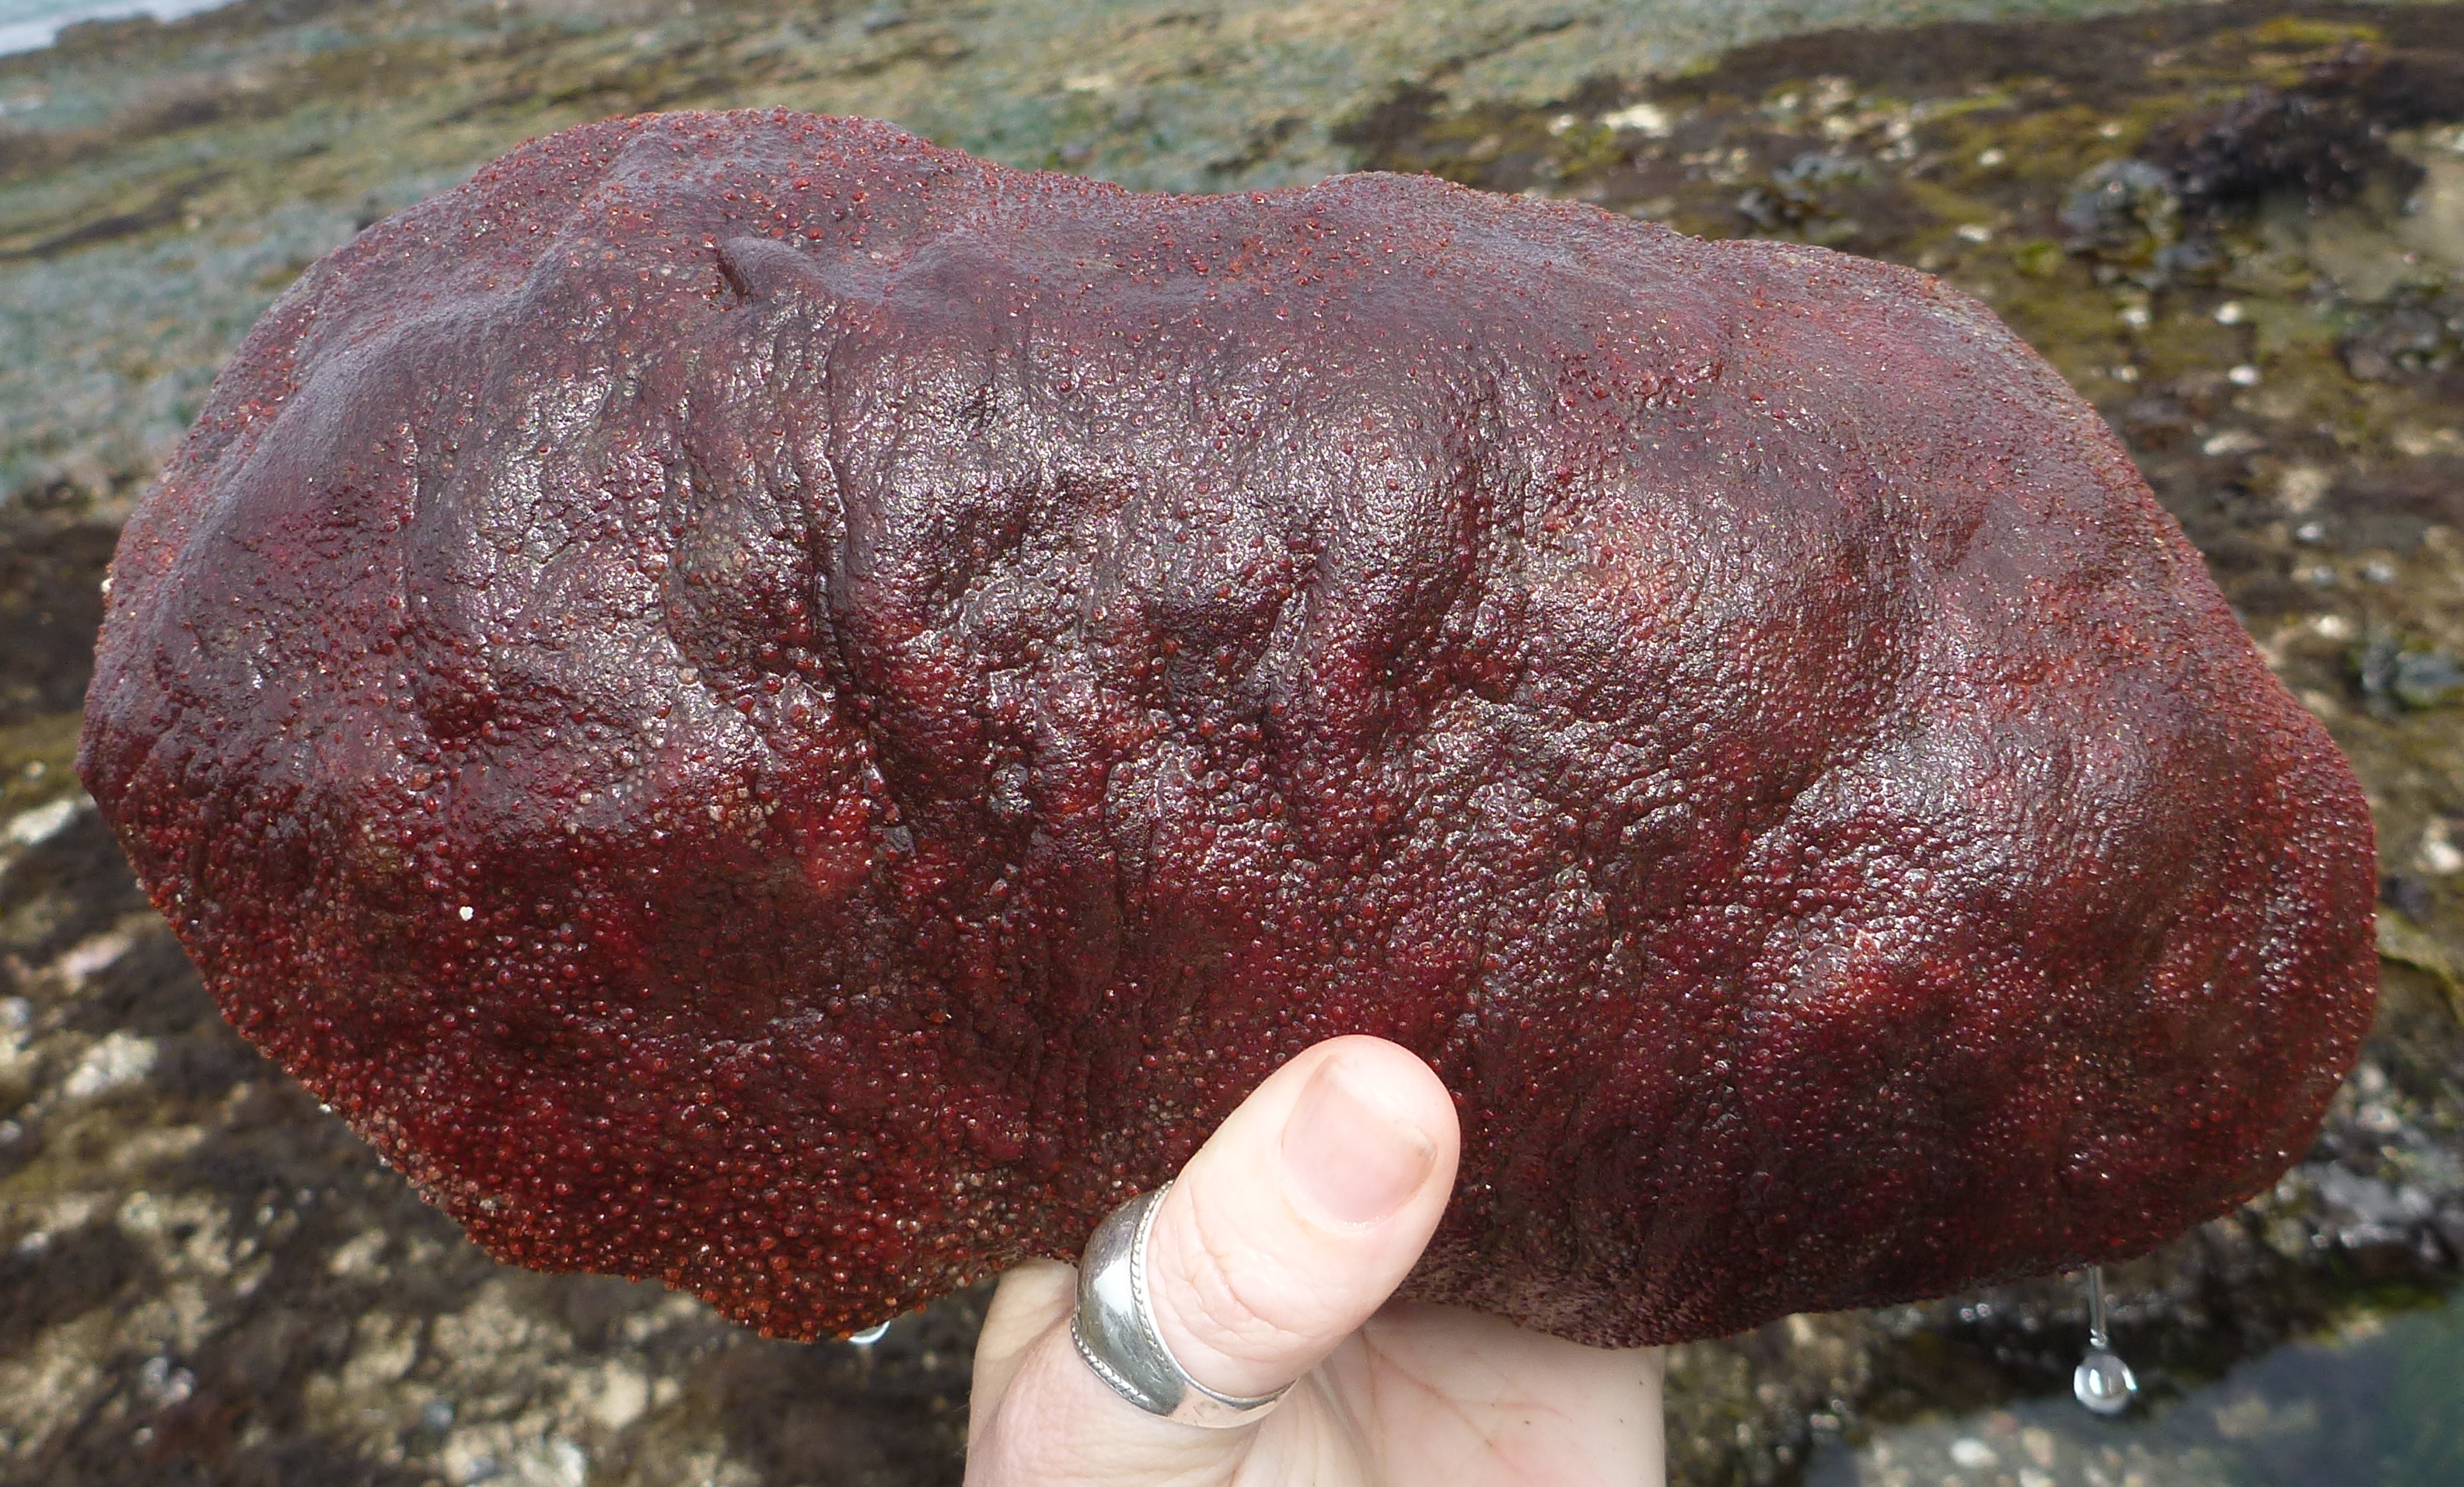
<point x="758" y="703"/>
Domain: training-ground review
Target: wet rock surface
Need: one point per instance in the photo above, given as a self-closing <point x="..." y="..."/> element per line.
<point x="205" y="1280"/>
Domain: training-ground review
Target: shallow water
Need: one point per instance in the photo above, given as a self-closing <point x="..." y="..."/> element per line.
<point x="28" y="24"/>
<point x="2376" y="1404"/>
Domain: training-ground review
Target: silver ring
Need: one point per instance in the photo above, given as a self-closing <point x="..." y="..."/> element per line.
<point x="1114" y="1328"/>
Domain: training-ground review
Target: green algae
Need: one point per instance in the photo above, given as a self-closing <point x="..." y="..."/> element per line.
<point x="37" y="764"/>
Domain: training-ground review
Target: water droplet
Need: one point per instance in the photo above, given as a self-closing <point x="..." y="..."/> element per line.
<point x="2101" y="1382"/>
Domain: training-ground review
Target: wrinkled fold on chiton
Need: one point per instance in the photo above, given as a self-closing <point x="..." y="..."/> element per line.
<point x="762" y="703"/>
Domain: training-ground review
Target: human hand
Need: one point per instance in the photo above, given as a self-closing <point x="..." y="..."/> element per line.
<point x="1271" y="1257"/>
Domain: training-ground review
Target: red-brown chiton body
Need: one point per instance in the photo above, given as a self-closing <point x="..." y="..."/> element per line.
<point x="758" y="703"/>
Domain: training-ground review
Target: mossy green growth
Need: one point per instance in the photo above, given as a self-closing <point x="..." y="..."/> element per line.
<point x="38" y="764"/>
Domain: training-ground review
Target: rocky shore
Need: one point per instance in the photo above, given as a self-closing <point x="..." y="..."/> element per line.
<point x="2237" y="229"/>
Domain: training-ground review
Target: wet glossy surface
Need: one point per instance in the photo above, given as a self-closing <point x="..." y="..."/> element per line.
<point x="2378" y="1403"/>
<point x="766" y="706"/>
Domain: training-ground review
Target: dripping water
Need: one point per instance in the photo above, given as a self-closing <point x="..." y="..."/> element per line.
<point x="2103" y="1382"/>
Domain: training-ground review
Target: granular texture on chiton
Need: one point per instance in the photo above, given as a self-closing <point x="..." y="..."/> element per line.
<point x="762" y="704"/>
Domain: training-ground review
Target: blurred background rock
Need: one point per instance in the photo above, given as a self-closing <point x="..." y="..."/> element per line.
<point x="2237" y="229"/>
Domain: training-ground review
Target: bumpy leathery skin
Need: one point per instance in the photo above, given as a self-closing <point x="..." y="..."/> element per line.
<point x="760" y="703"/>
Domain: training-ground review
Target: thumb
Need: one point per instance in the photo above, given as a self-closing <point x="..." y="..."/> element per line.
<point x="1283" y="1234"/>
<point x="1306" y="1208"/>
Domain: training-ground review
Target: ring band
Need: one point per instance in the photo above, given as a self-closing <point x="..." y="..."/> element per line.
<point x="1114" y="1328"/>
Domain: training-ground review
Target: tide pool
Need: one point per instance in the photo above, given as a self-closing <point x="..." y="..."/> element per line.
<point x="2377" y="1401"/>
